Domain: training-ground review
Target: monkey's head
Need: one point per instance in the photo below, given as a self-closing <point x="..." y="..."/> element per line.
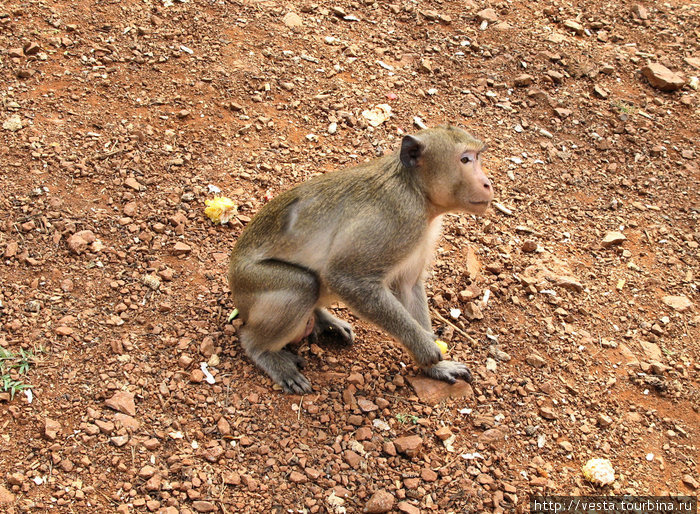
<point x="448" y="160"/>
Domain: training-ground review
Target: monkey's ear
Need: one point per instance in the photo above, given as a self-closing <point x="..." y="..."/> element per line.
<point x="411" y="149"/>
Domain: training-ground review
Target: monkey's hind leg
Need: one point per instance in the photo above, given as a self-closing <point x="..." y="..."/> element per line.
<point x="328" y="326"/>
<point x="279" y="314"/>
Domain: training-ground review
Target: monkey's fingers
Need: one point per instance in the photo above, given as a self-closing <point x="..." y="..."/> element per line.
<point x="448" y="371"/>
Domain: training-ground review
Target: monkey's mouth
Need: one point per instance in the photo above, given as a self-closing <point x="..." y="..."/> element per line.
<point x="485" y="203"/>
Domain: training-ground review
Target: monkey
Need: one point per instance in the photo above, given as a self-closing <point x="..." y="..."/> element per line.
<point x="363" y="236"/>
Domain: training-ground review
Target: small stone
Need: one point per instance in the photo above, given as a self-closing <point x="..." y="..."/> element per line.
<point x="433" y="391"/>
<point x="660" y="77"/>
<point x="11" y="249"/>
<point x="547" y="413"/>
<point x="366" y="405"/>
<point x="428" y="475"/>
<point x="183" y="113"/>
<point x="128" y="422"/>
<point x="32" y="48"/>
<point x="51" y="429"/>
<point x="122" y="401"/>
<point x="678" y="303"/>
<point x="407" y="508"/>
<point x="292" y="20"/>
<point x="613" y="238"/>
<point x="529" y="246"/>
<point x="13" y="123"/>
<point x="574" y="26"/>
<point x="563" y="113"/>
<point x="181" y="248"/>
<point x="524" y="80"/>
<point x="443" y="433"/>
<point x="600" y="92"/>
<point x="570" y="283"/>
<point x="63" y="331"/>
<point x="223" y="426"/>
<point x="134" y="184"/>
<point x="119" y="440"/>
<point x="408" y="445"/>
<point x="106" y="427"/>
<point x="6" y="497"/>
<point x="426" y="66"/>
<point x="356" y="379"/>
<point x="691" y="482"/>
<point x="147" y="471"/>
<point x="640" y="12"/>
<point x="381" y="501"/>
<point x="15" y="53"/>
<point x="535" y="360"/>
<point x="489" y="15"/>
<point x="652" y="352"/>
<point x="363" y="434"/>
<point x="604" y="420"/>
<point x="353" y="459"/>
<point x="203" y="506"/>
<point x="567" y="446"/>
<point x="297" y="478"/>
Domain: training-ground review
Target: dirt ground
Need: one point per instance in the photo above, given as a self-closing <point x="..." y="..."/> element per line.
<point x="574" y="300"/>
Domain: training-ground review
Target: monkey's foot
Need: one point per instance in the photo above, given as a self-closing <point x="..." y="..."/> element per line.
<point x="329" y="326"/>
<point x="448" y="371"/>
<point x="283" y="367"/>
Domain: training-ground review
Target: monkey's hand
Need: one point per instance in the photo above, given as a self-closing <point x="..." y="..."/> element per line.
<point x="448" y="371"/>
<point x="426" y="353"/>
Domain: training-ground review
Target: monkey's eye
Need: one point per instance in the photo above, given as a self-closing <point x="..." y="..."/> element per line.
<point x="466" y="159"/>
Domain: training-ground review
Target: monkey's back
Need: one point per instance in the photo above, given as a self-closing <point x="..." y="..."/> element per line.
<point x="339" y="215"/>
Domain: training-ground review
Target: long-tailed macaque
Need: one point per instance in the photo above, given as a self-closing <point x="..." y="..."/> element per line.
<point x="363" y="236"/>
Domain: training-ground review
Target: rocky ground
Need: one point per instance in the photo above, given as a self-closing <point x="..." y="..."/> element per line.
<point x="574" y="301"/>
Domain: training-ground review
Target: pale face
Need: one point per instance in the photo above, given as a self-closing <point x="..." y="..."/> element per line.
<point x="475" y="191"/>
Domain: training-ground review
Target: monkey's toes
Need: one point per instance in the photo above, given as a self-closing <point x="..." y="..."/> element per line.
<point x="332" y="328"/>
<point x="297" y="384"/>
<point x="342" y="331"/>
<point x="449" y="371"/>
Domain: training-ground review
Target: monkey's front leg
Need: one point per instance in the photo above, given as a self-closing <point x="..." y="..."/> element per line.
<point x="417" y="304"/>
<point x="373" y="301"/>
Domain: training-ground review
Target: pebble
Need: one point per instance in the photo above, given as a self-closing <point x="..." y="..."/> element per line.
<point x="292" y="20"/>
<point x="498" y="354"/>
<point x="6" y="497"/>
<point x="408" y="445"/>
<point x="134" y="184"/>
<point x="122" y="401"/>
<point x="574" y="26"/>
<point x="489" y="15"/>
<point x="432" y="392"/>
<point x="660" y="77"/>
<point x="51" y="429"/>
<point x="678" y="303"/>
<point x="407" y="508"/>
<point x="13" y="123"/>
<point x="181" y="248"/>
<point x="381" y="501"/>
<point x="547" y="412"/>
<point x="691" y="482"/>
<point x="524" y="80"/>
<point x="613" y="238"/>
<point x="535" y="360"/>
<point x="204" y="506"/>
